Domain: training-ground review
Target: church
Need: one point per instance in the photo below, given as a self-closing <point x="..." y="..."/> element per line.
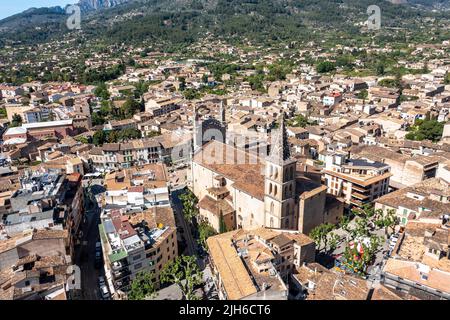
<point x="239" y="189"/>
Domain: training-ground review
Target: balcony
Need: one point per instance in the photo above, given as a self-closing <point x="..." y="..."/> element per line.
<point x="120" y="274"/>
<point x="360" y="196"/>
<point x="357" y="202"/>
<point x="117" y="266"/>
<point x="122" y="284"/>
<point x="359" y="188"/>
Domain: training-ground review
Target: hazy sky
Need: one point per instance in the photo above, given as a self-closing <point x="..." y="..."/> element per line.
<point x="10" y="7"/>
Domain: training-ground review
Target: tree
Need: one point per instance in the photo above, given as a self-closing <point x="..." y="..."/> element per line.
<point x="129" y="108"/>
<point x="182" y="81"/>
<point x="333" y="241"/>
<point x="185" y="273"/>
<point x="320" y="234"/>
<point x="102" y="91"/>
<point x="380" y="69"/>
<point x="447" y="78"/>
<point x="192" y="94"/>
<point x="105" y="108"/>
<point x="426" y="130"/>
<point x="205" y="231"/>
<point x="97" y="119"/>
<point x="128" y="134"/>
<point x="222" y="227"/>
<point x="387" y="221"/>
<point x="189" y="201"/>
<point x="141" y="89"/>
<point x="325" y="66"/>
<point x="299" y="121"/>
<point x="3" y="113"/>
<point x="363" y="94"/>
<point x="99" y="138"/>
<point x="344" y="223"/>
<point x="82" y="139"/>
<point x="142" y="286"/>
<point x="16" y="120"/>
<point x="389" y="83"/>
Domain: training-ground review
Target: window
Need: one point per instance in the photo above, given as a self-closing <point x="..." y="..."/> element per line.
<point x="138" y="266"/>
<point x="136" y="257"/>
<point x="271" y="222"/>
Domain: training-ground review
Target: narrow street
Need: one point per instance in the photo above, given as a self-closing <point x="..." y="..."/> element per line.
<point x="208" y="291"/>
<point x="181" y="221"/>
<point x="85" y="257"/>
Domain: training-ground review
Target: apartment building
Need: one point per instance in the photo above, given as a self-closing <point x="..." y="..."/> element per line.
<point x="406" y="170"/>
<point x="255" y="264"/>
<point x="429" y="199"/>
<point x="158" y="107"/>
<point x="164" y="148"/>
<point x="46" y="200"/>
<point x="43" y="130"/>
<point x="35" y="265"/>
<point x="420" y="262"/>
<point x="358" y="181"/>
<point x="137" y="187"/>
<point x="136" y="241"/>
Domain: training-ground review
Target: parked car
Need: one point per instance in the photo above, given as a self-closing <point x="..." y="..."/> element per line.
<point x="98" y="246"/>
<point x="105" y="292"/>
<point x="393" y="241"/>
<point x="98" y="259"/>
<point x="101" y="281"/>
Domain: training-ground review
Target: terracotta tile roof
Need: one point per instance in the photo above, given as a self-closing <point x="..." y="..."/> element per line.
<point x="216" y="207"/>
<point x="383" y="293"/>
<point x="222" y="159"/>
<point x="410" y="270"/>
<point x="337" y="286"/>
<point x="50" y="234"/>
<point x="234" y="275"/>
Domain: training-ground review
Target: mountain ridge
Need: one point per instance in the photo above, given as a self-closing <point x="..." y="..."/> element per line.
<point x="185" y="20"/>
<point x="92" y="5"/>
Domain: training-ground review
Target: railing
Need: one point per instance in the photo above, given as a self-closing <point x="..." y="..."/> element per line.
<point x="118" y="275"/>
<point x="360" y="196"/>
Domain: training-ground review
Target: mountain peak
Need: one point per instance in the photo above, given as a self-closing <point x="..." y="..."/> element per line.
<point x="90" y="5"/>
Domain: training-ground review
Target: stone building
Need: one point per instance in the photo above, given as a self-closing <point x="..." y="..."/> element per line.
<point x="260" y="190"/>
